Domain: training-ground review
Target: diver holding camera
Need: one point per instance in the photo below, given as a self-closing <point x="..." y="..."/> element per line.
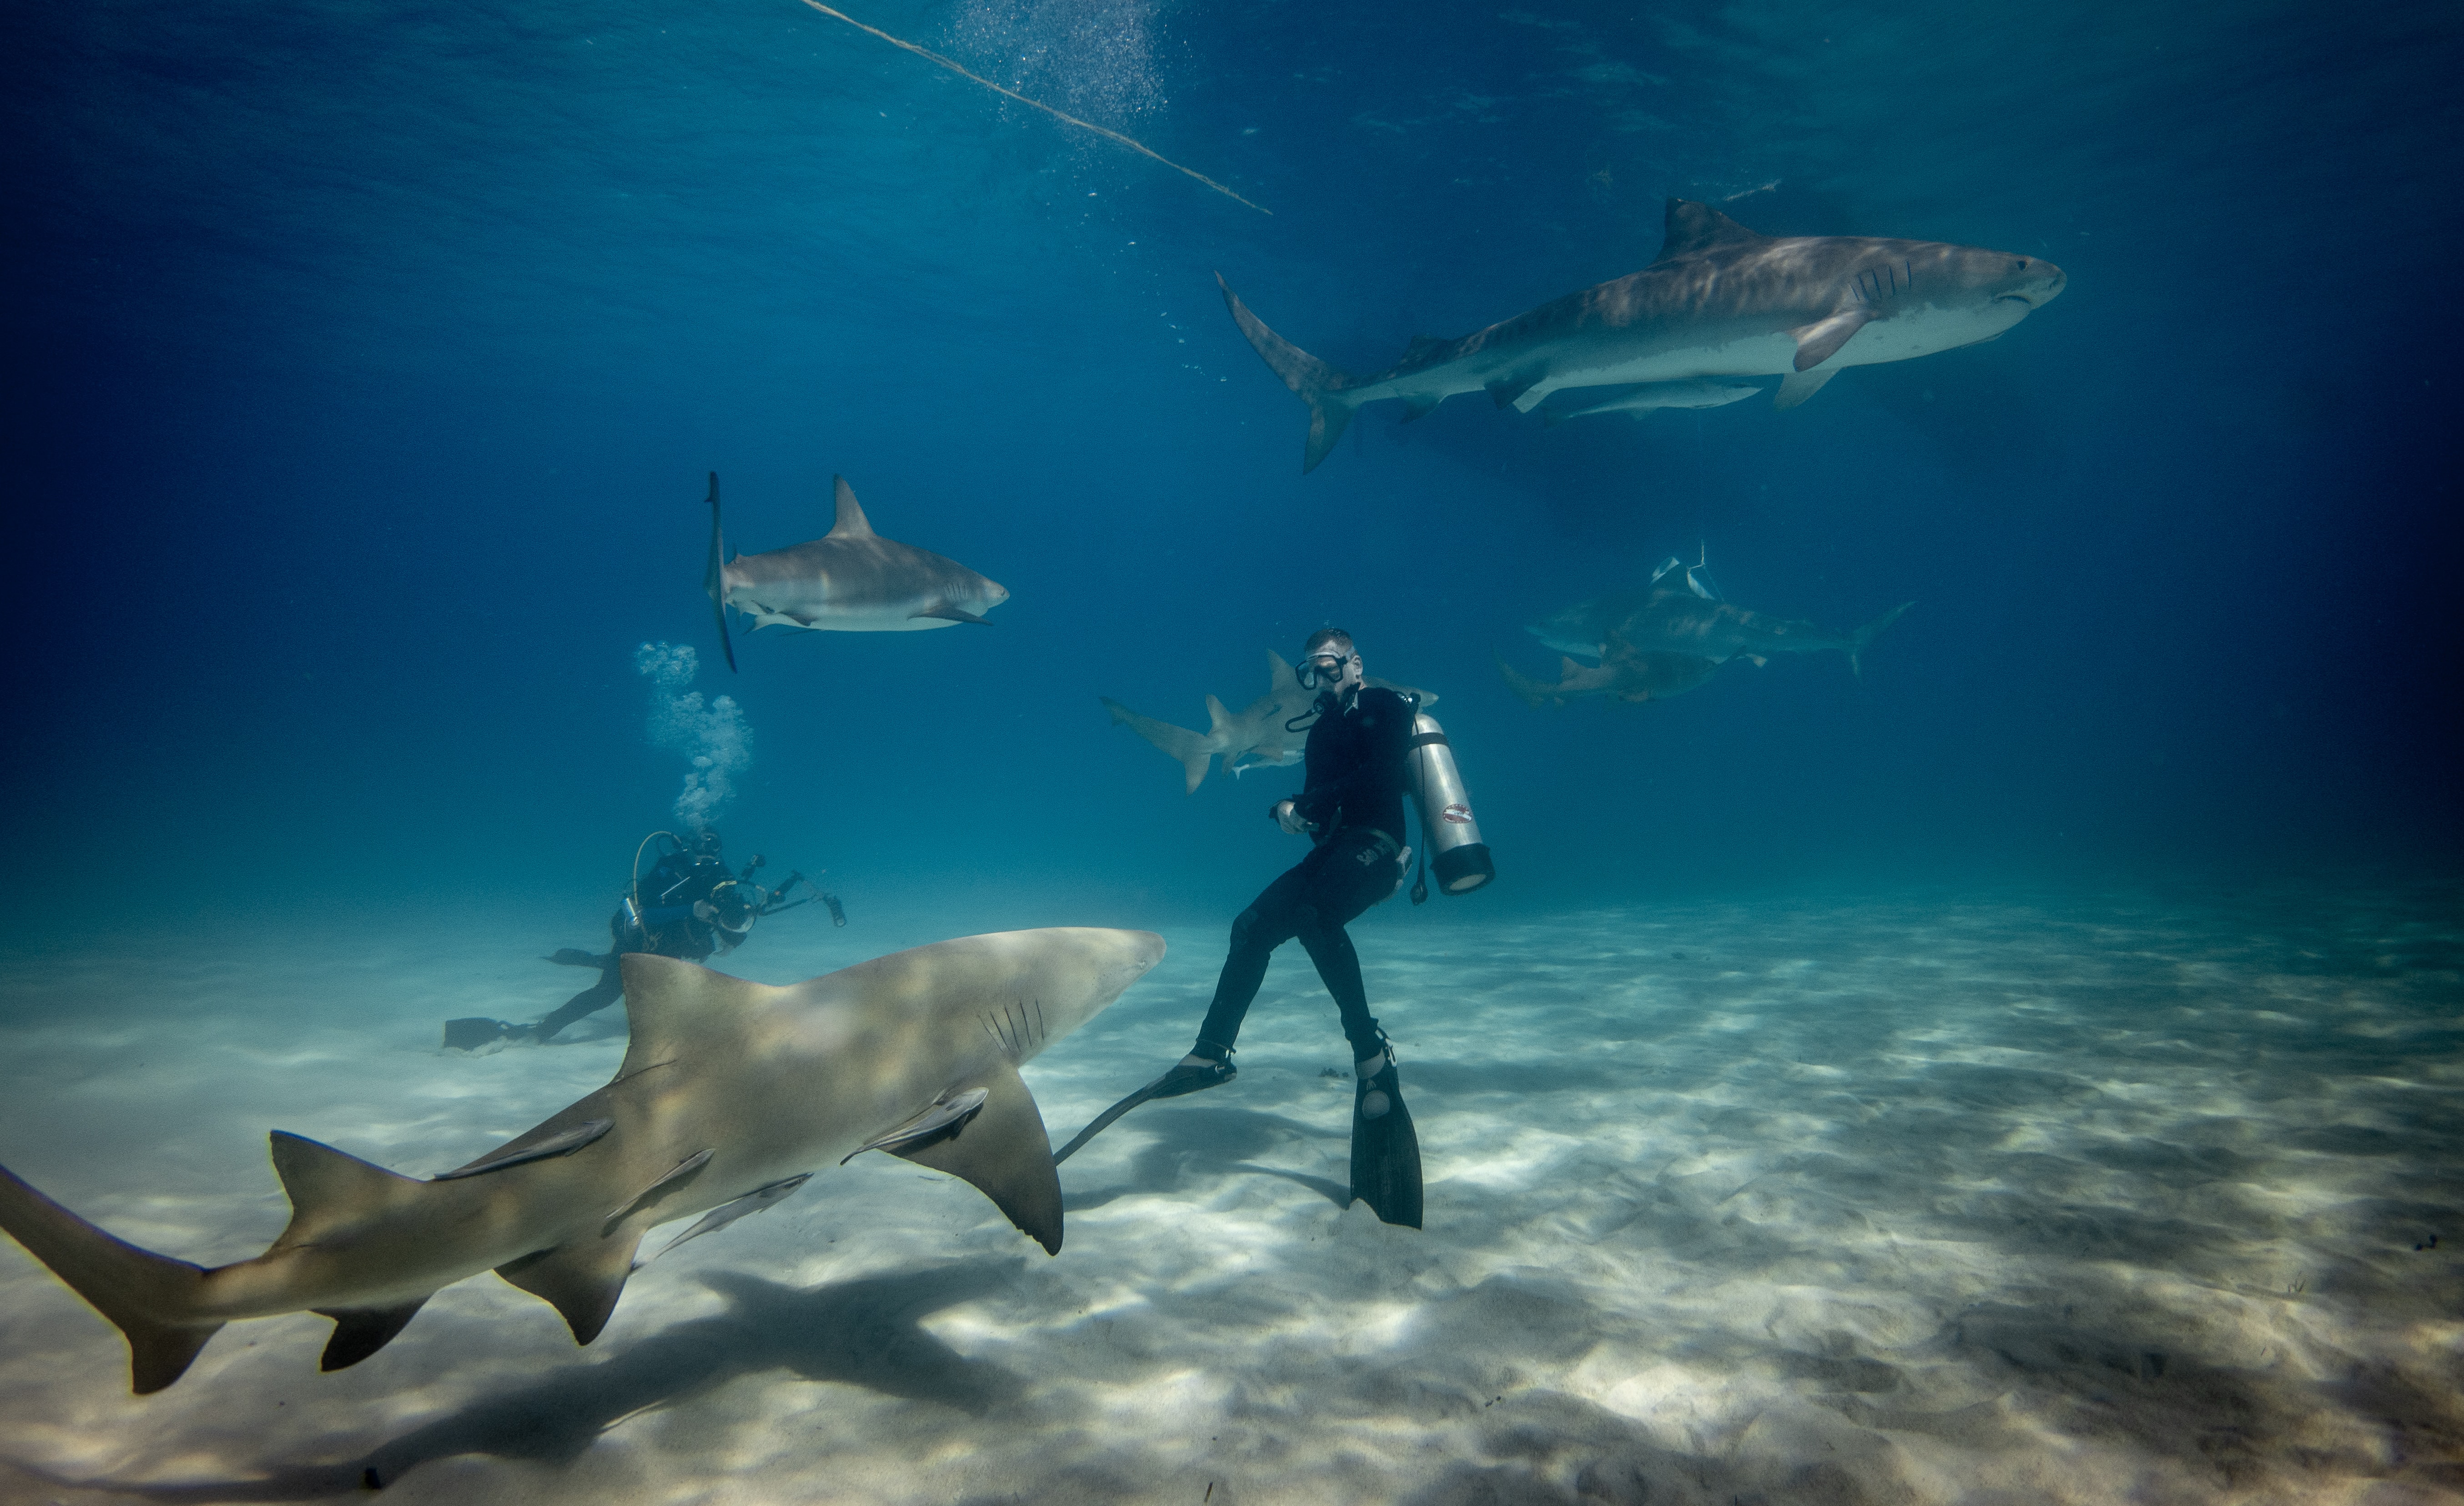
<point x="689" y="907"/>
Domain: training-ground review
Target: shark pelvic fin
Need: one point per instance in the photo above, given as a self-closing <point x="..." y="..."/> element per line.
<point x="1415" y="407"/>
<point x="851" y="522"/>
<point x="1511" y="389"/>
<point x="581" y="1280"/>
<point x="714" y="580"/>
<point x="1005" y="1154"/>
<point x="1798" y="386"/>
<point x="1820" y="341"/>
<point x="360" y="1332"/>
<point x="949" y="613"/>
<point x="1692" y="229"/>
<point x="141" y="1291"/>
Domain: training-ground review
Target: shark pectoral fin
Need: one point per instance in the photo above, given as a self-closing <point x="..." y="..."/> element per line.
<point x="1798" y="386"/>
<point x="360" y="1332"/>
<point x="1414" y="407"/>
<point x="581" y="1280"/>
<point x="1820" y="341"/>
<point x="949" y="613"/>
<point x="1004" y="1152"/>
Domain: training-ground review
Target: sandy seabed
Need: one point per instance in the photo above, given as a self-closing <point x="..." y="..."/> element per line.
<point x="2011" y="1198"/>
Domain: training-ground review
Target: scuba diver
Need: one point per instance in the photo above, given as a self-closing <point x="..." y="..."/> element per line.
<point x="1352" y="810"/>
<point x="687" y="906"/>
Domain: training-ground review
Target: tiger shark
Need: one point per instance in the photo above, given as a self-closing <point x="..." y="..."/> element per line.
<point x="729" y="1092"/>
<point x="1720" y="301"/>
<point x="850" y="581"/>
<point x="1256" y="738"/>
<point x="1674" y="614"/>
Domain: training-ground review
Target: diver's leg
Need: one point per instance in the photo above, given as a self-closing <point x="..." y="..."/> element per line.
<point x="1256" y="932"/>
<point x="609" y="988"/>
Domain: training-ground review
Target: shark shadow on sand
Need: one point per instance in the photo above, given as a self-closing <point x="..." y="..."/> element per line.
<point x="866" y="1332"/>
<point x="1192" y="1140"/>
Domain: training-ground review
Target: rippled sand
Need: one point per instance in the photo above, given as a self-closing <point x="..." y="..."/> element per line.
<point x="2064" y="1199"/>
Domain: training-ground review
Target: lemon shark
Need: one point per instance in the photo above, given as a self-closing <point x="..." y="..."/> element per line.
<point x="1674" y="614"/>
<point x="1256" y="738"/>
<point x="728" y="1091"/>
<point x="1720" y="301"/>
<point x="850" y="581"/>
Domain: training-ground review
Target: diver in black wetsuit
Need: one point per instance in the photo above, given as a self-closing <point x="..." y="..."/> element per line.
<point x="1351" y="809"/>
<point x="687" y="906"/>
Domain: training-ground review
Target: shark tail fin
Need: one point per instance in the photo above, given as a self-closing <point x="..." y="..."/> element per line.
<point x="1531" y="691"/>
<point x="1188" y="747"/>
<point x="1318" y="384"/>
<point x="714" y="580"/>
<point x="1863" y="638"/>
<point x="147" y="1294"/>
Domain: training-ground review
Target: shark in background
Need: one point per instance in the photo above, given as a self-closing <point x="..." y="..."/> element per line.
<point x="1256" y="737"/>
<point x="1677" y="613"/>
<point x="730" y="1094"/>
<point x="1720" y="301"/>
<point x="850" y="581"/>
<point x="1624" y="673"/>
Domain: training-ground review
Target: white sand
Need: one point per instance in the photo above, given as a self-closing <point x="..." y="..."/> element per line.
<point x="2047" y="1199"/>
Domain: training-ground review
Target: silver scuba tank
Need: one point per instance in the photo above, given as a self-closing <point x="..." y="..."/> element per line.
<point x="1450" y="835"/>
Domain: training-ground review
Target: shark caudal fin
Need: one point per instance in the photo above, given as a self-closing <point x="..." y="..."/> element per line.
<point x="149" y="1295"/>
<point x="1317" y="384"/>
<point x="1189" y="749"/>
<point x="714" y="580"/>
<point x="1863" y="638"/>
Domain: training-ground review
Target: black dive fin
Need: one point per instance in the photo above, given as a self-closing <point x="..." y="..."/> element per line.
<point x="360" y="1332"/>
<point x="1386" y="1156"/>
<point x="579" y="1280"/>
<point x="950" y="614"/>
<point x="1004" y="1152"/>
<point x="714" y="580"/>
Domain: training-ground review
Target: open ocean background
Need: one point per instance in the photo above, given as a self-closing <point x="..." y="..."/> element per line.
<point x="2027" y="1075"/>
<point x="366" y="364"/>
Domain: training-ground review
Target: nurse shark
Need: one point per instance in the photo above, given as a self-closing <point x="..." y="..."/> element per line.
<point x="850" y="581"/>
<point x="730" y="1093"/>
<point x="1720" y="301"/>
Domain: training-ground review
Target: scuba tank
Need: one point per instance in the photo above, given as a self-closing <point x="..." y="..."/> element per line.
<point x="1449" y="836"/>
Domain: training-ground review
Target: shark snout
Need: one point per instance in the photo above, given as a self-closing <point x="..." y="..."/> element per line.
<point x="2037" y="283"/>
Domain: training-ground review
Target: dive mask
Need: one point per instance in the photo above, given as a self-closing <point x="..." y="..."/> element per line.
<point x="1323" y="670"/>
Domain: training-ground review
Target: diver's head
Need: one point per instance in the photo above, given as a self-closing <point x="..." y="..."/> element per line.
<point x="1331" y="664"/>
<point x="704" y="842"/>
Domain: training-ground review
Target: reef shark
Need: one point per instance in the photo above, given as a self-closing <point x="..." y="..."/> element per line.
<point x="1256" y="738"/>
<point x="1624" y="673"/>
<point x="1674" y="614"/>
<point x="729" y="1090"/>
<point x="850" y="581"/>
<point x="1720" y="301"/>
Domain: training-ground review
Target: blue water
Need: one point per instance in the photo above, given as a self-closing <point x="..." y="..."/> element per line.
<point x="2079" y="983"/>
<point x="366" y="365"/>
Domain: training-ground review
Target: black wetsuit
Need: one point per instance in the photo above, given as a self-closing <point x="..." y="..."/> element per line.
<point x="668" y="928"/>
<point x="1355" y="795"/>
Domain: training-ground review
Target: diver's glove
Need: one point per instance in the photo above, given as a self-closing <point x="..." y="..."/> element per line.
<point x="1287" y="816"/>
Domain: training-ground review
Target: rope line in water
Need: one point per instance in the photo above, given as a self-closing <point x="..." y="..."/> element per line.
<point x="935" y="57"/>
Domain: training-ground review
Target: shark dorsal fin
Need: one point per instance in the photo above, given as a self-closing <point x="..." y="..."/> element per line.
<point x="1281" y="676"/>
<point x="1697" y="228"/>
<point x="670" y="1007"/>
<point x="330" y="1188"/>
<point x="851" y="523"/>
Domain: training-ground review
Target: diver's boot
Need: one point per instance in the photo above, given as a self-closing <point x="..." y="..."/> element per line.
<point x="1194" y="1072"/>
<point x="1385" y="1149"/>
<point x="475" y="1031"/>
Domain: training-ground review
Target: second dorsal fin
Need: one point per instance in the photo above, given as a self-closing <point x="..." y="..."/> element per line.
<point x="851" y="522"/>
